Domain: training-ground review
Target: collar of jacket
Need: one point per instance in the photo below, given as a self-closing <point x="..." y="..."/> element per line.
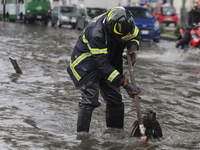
<point x="110" y="37"/>
<point x="195" y="12"/>
<point x="100" y="31"/>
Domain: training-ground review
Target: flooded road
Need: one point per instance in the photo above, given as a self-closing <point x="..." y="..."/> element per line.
<point x="38" y="109"/>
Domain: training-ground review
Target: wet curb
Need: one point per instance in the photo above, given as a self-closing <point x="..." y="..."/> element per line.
<point x="168" y="37"/>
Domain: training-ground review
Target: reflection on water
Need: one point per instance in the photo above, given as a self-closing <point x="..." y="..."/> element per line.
<point x="39" y="107"/>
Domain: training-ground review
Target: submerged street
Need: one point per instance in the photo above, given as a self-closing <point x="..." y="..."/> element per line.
<point x="38" y="109"/>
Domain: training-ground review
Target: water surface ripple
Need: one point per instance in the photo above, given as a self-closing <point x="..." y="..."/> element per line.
<point x="38" y="108"/>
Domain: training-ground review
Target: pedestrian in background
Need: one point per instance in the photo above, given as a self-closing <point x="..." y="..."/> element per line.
<point x="193" y="16"/>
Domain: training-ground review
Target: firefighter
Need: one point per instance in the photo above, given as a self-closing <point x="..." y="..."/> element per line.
<point x="193" y="16"/>
<point x="96" y="65"/>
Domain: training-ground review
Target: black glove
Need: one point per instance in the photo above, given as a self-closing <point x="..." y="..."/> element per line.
<point x="132" y="50"/>
<point x="133" y="57"/>
<point x="131" y="90"/>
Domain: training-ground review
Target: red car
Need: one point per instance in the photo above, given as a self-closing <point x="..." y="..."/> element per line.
<point x="166" y="14"/>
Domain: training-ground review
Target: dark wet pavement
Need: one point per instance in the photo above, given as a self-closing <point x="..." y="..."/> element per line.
<point x="38" y="108"/>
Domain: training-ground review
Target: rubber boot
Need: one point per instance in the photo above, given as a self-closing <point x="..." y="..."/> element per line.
<point x="115" y="116"/>
<point x="84" y="118"/>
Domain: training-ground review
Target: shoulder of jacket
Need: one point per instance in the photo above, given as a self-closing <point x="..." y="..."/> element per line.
<point x="192" y="11"/>
<point x="98" y="32"/>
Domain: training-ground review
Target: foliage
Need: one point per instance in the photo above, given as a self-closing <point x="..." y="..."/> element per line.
<point x="162" y="28"/>
<point x="178" y="27"/>
<point x="172" y="33"/>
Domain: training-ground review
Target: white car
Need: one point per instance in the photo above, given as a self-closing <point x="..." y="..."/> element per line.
<point x="86" y="15"/>
<point x="64" y="15"/>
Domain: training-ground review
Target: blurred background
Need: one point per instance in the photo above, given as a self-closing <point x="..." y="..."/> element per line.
<point x="178" y="4"/>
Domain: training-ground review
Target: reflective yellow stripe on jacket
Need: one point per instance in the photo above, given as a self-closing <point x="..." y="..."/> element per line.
<point x="136" y="31"/>
<point x="113" y="75"/>
<point x="76" y="62"/>
<point x="136" y="42"/>
<point x="100" y="51"/>
<point x="94" y="50"/>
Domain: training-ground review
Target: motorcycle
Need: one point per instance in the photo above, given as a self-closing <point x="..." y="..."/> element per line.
<point x="195" y="36"/>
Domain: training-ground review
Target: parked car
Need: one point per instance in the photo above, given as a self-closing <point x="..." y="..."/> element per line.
<point x="166" y="14"/>
<point x="155" y="11"/>
<point x="64" y="15"/>
<point x="87" y="14"/>
<point x="147" y="24"/>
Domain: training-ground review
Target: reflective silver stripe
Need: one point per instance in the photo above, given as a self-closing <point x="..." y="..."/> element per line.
<point x="74" y="71"/>
<point x="76" y="62"/>
<point x="135" y="32"/>
<point x="94" y="50"/>
<point x="98" y="51"/>
<point x="80" y="58"/>
<point x="84" y="39"/>
<point x="113" y="75"/>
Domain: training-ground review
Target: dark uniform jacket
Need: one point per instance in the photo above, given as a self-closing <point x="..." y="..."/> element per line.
<point x="97" y="51"/>
<point x="192" y="17"/>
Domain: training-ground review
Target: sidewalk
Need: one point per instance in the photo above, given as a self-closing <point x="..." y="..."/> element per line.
<point x="168" y="37"/>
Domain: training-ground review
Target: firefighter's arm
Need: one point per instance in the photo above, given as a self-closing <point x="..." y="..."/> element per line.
<point x="133" y="47"/>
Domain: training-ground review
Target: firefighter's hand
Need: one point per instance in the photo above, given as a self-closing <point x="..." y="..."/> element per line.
<point x="131" y="90"/>
<point x="133" y="56"/>
<point x="132" y="50"/>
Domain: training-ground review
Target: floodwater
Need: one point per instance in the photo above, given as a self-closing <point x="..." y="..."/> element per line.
<point x="38" y="109"/>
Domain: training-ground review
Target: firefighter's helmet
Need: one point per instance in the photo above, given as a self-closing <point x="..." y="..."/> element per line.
<point x="120" y="23"/>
